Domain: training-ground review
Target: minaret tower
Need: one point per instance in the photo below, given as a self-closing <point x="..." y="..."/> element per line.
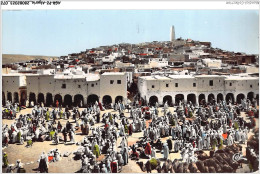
<point x="172" y="34"/>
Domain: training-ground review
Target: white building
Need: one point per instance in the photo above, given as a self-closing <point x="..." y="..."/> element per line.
<point x="69" y="88"/>
<point x="158" y="62"/>
<point x="174" y="88"/>
<point x="212" y="63"/>
<point x="13" y="87"/>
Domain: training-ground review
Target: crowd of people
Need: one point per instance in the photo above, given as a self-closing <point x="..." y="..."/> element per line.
<point x="189" y="129"/>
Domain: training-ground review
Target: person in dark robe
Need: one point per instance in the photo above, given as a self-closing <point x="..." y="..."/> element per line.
<point x="59" y="126"/>
<point x="43" y="166"/>
<point x="130" y="130"/>
<point x="54" y="114"/>
<point x="68" y="125"/>
<point x="98" y="118"/>
<point x="169" y="142"/>
<point x="64" y="132"/>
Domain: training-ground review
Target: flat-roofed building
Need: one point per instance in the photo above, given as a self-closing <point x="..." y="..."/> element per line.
<point x="196" y="88"/>
<point x="70" y="88"/>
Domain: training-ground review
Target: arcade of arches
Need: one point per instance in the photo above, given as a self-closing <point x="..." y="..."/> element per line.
<point x="201" y="98"/>
<point x="78" y="99"/>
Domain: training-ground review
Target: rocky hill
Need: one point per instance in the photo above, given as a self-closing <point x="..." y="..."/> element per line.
<point x="12" y="58"/>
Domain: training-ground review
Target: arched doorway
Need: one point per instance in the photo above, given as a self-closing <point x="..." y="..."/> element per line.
<point x="250" y="96"/>
<point x="59" y="98"/>
<point x="49" y="100"/>
<point x="67" y="100"/>
<point x="107" y="99"/>
<point x="211" y="98"/>
<point x="178" y="98"/>
<point x="23" y="98"/>
<point x="119" y="98"/>
<point x="219" y="97"/>
<point x="240" y="97"/>
<point x="16" y="97"/>
<point x="153" y="100"/>
<point x="78" y="100"/>
<point x="168" y="98"/>
<point x="92" y="99"/>
<point x="3" y="99"/>
<point x="32" y="97"/>
<point x="230" y="97"/>
<point x="202" y="99"/>
<point x="257" y="99"/>
<point x="192" y="98"/>
<point x="9" y="97"/>
<point x="40" y="98"/>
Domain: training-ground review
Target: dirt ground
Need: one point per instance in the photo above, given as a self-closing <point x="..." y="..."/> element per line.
<point x="29" y="156"/>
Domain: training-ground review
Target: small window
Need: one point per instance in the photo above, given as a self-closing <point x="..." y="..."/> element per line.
<point x="79" y="86"/>
<point x="176" y="85"/>
<point x="152" y="86"/>
<point x="251" y="86"/>
<point x="50" y="83"/>
<point x="118" y="81"/>
<point x="111" y="81"/>
<point x="63" y="86"/>
<point x="167" y="85"/>
<point x="194" y="84"/>
<point x="13" y="81"/>
<point x="230" y="84"/>
<point x="92" y="85"/>
<point x="211" y="83"/>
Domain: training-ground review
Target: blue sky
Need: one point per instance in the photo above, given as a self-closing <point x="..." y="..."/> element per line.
<point x="61" y="32"/>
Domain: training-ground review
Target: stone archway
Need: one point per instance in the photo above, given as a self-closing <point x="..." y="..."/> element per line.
<point x="32" y="98"/>
<point x="40" y="98"/>
<point x="119" y="98"/>
<point x="92" y="99"/>
<point x="107" y="99"/>
<point x="23" y="98"/>
<point x="211" y="98"/>
<point x="58" y="98"/>
<point x="230" y="97"/>
<point x="78" y="100"/>
<point x="67" y="100"/>
<point x="9" y="97"/>
<point x="250" y="96"/>
<point x="16" y="97"/>
<point x="239" y="98"/>
<point x="202" y="99"/>
<point x="153" y="100"/>
<point x="178" y="98"/>
<point x="168" y="98"/>
<point x="220" y="97"/>
<point x="192" y="98"/>
<point x="49" y="100"/>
